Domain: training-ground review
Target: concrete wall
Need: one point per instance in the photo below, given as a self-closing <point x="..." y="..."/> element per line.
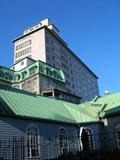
<point x="32" y="84"/>
<point x="49" y="83"/>
<point x="37" y="46"/>
<point x="22" y="64"/>
<point x="39" y="82"/>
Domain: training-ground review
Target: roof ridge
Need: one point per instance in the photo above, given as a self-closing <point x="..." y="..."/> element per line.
<point x="95" y="98"/>
<point x="69" y="112"/>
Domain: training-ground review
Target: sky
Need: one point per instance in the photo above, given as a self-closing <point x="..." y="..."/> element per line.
<point x="91" y="29"/>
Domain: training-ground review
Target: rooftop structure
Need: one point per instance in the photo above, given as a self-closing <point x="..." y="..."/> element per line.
<point x="46" y="22"/>
<point x="37" y="77"/>
<point x="35" y="68"/>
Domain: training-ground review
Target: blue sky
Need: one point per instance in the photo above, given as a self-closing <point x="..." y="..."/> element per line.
<point x="90" y="27"/>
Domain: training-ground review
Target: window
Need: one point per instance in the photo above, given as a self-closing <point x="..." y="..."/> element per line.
<point x="62" y="141"/>
<point x="33" y="70"/>
<point x="22" y="63"/>
<point x="117" y="130"/>
<point x="16" y="86"/>
<point x="29" y="56"/>
<point x="87" y="139"/>
<point x="48" y="57"/>
<point x="24" y="73"/>
<point x="23" y="52"/>
<point x="20" y="46"/>
<point x="17" y="77"/>
<point x="13" y="68"/>
<point x="32" y="142"/>
<point x="53" y="57"/>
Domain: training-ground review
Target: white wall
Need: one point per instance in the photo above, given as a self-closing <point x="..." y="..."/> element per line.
<point x="22" y="64"/>
<point x="37" y="46"/>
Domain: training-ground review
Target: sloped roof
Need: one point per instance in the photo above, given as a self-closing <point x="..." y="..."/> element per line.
<point x="91" y="108"/>
<point x="15" y="102"/>
<point x="21" y="103"/>
<point x="103" y="106"/>
<point x="112" y="102"/>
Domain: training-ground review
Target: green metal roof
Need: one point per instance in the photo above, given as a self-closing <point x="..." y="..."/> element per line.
<point x="21" y="103"/>
<point x="112" y="102"/>
<point x="36" y="68"/>
<point x="103" y="106"/>
<point x="15" y="102"/>
<point x="92" y="109"/>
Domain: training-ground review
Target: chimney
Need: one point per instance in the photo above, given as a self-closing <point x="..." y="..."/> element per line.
<point x="106" y="92"/>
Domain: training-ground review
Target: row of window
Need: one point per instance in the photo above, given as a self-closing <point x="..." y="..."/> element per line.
<point x="23" y="52"/>
<point x="86" y="137"/>
<point x="33" y="147"/>
<point x="25" y="44"/>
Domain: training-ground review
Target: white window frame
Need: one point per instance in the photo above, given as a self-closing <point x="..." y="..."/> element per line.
<point x="37" y="143"/>
<point x="64" y="143"/>
<point x="93" y="141"/>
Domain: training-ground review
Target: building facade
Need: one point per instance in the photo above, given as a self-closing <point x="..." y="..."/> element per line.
<point x="42" y="42"/>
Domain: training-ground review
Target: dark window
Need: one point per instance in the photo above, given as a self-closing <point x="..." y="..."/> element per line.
<point x="62" y="141"/>
<point x="87" y="139"/>
<point x="22" y="63"/>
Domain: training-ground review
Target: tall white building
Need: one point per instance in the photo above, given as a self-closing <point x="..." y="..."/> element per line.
<point x="42" y="42"/>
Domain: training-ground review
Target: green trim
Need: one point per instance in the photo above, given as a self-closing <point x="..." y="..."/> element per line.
<point x="36" y="68"/>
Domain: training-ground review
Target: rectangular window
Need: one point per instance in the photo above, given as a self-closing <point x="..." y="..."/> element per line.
<point x="22" y="63"/>
<point x="23" y="52"/>
<point x="25" y="44"/>
<point x="32" y="142"/>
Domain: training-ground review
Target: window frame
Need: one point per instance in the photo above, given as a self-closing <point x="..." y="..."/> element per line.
<point x="65" y="143"/>
<point x="28" y="147"/>
<point x="92" y="135"/>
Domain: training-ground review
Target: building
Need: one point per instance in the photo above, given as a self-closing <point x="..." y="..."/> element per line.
<point x="37" y="77"/>
<point x="37" y="127"/>
<point x="33" y="126"/>
<point x="43" y="42"/>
